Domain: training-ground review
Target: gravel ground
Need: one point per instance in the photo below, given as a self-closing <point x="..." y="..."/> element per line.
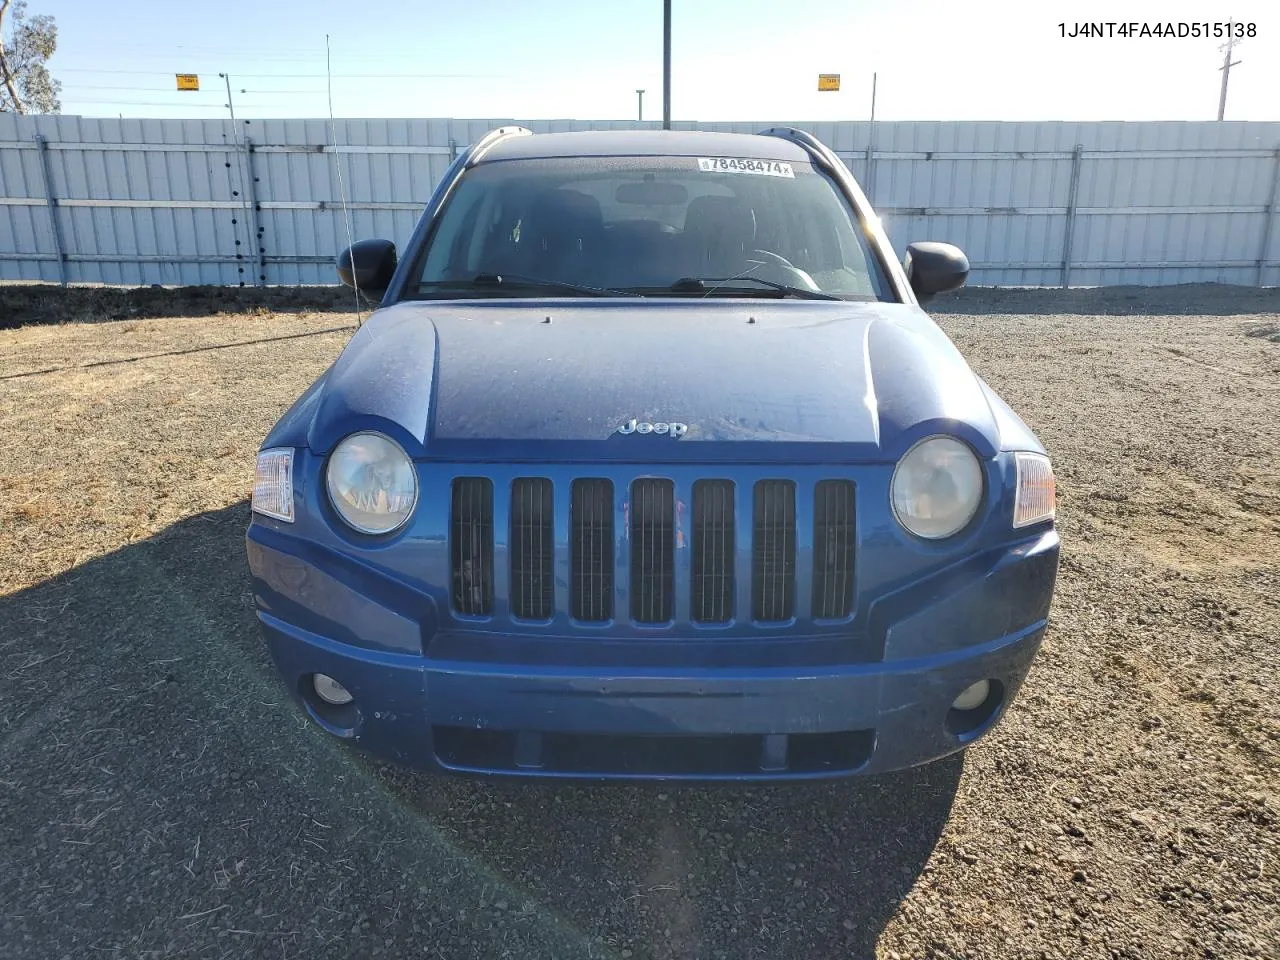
<point x="159" y="796"/>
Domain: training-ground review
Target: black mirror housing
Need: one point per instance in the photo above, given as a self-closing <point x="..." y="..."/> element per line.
<point x="934" y="268"/>
<point x="368" y="265"/>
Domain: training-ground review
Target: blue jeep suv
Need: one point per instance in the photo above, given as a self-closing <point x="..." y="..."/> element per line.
<point x="650" y="465"/>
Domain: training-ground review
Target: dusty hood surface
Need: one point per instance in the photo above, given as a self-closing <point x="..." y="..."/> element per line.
<point x="843" y="378"/>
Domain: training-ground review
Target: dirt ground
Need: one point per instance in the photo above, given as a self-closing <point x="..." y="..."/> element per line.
<point x="160" y="797"/>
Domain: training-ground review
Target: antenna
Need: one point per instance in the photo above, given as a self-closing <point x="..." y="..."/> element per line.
<point x="337" y="160"/>
<point x="1227" y="64"/>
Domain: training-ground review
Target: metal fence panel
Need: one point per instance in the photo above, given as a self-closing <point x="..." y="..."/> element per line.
<point x="139" y="201"/>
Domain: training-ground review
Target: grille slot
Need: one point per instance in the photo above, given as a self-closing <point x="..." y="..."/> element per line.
<point x="592" y="542"/>
<point x="773" y="551"/>
<point x="713" y="558"/>
<point x="532" y="576"/>
<point x="833" y="545"/>
<point x="652" y="562"/>
<point x="471" y="545"/>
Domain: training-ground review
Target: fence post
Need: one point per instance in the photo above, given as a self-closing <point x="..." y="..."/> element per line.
<point x="1069" y="230"/>
<point x="46" y="173"/>
<point x="1268" y="224"/>
<point x="255" y="231"/>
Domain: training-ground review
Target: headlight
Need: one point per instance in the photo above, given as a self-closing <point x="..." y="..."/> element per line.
<point x="937" y="488"/>
<point x="372" y="483"/>
<point x="1036" y="499"/>
<point x="273" y="484"/>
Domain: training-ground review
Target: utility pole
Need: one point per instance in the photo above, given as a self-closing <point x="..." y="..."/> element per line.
<point x="1227" y="64"/>
<point x="640" y="105"/>
<point x="666" y="64"/>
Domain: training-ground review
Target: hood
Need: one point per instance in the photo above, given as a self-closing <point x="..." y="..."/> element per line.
<point x="758" y="379"/>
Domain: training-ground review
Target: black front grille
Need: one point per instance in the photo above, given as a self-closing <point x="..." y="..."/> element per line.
<point x="773" y="551"/>
<point x="652" y="540"/>
<point x="647" y="541"/>
<point x="713" y="558"/>
<point x="471" y="545"/>
<point x="591" y="550"/>
<point x="532" y="535"/>
<point x="833" y="545"/>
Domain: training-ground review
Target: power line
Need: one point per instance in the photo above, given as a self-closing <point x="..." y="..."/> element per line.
<point x="181" y="94"/>
<point x="629" y="74"/>
<point x="264" y="55"/>
<point x="177" y="106"/>
<point x="304" y="93"/>
<point x="308" y="76"/>
<point x="244" y="53"/>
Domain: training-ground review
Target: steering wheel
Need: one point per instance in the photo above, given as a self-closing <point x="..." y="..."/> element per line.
<point x="805" y="281"/>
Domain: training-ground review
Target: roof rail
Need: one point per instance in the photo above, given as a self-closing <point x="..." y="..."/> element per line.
<point x="482" y="146"/>
<point x="817" y="149"/>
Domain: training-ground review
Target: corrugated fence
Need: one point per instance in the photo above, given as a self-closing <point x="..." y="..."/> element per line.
<point x="87" y="200"/>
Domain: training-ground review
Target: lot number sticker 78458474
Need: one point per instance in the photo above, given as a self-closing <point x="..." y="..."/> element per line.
<point x="767" y="168"/>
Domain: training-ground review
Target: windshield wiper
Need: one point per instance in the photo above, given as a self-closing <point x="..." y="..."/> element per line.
<point x="709" y="286"/>
<point x="485" y="281"/>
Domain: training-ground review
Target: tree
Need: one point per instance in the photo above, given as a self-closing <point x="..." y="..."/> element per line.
<point x="25" y="83"/>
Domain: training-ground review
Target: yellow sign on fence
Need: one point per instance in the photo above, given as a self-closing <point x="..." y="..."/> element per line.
<point x="828" y="81"/>
<point x="188" y="81"/>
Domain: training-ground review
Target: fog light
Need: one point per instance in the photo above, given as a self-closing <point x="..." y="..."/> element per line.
<point x="330" y="690"/>
<point x="970" y="698"/>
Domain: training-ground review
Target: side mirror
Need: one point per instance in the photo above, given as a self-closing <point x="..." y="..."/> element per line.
<point x="934" y="268"/>
<point x="368" y="265"/>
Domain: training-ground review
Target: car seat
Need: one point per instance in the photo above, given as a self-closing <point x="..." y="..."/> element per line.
<point x="719" y="235"/>
<point x="561" y="236"/>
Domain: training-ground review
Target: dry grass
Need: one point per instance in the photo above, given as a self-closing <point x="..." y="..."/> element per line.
<point x="138" y="424"/>
<point x="1129" y="806"/>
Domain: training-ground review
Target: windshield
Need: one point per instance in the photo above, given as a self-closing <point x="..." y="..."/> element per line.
<point x="643" y="225"/>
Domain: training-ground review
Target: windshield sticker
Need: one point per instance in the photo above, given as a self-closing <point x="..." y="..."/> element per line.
<point x="767" y="168"/>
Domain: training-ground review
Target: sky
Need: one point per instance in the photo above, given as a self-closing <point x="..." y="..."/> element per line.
<point x="732" y="59"/>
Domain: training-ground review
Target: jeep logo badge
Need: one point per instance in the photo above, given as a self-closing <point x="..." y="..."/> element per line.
<point x="676" y="430"/>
